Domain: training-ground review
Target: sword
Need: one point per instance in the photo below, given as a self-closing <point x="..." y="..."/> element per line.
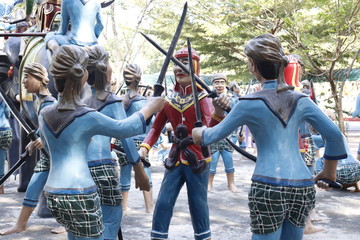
<point x="198" y="123"/>
<point x="17" y="21"/>
<point x="31" y="133"/>
<point x="241" y="151"/>
<point x="144" y="93"/>
<point x="106" y="3"/>
<point x="117" y="92"/>
<point x="24" y="34"/>
<point x="17" y="165"/>
<point x="158" y="87"/>
<point x="211" y="94"/>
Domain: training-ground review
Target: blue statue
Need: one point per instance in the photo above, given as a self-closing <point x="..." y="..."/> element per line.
<point x="282" y="191"/>
<point x="100" y="160"/>
<point x="86" y="24"/>
<point x="35" y="82"/>
<point x="133" y="102"/>
<point x="5" y="137"/>
<point x="68" y="127"/>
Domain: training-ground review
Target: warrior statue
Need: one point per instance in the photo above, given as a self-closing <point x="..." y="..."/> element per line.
<point x="133" y="102"/>
<point x="186" y="162"/>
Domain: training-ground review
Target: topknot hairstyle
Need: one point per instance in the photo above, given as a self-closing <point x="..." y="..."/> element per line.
<point x="269" y="57"/>
<point x="68" y="67"/>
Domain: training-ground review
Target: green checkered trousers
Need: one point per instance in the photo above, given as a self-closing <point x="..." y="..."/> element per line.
<point x="270" y="205"/>
<point x="79" y="214"/>
<point x="6" y="137"/>
<point x="310" y="152"/>
<point x="348" y="174"/>
<point x="107" y="182"/>
<point x="43" y="164"/>
<point x="221" y="145"/>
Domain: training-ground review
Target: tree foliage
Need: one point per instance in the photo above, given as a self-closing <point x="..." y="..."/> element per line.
<point x="324" y="32"/>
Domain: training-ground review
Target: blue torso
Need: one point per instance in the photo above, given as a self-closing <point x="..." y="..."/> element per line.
<point x="4" y="115"/>
<point x="99" y="147"/>
<point x="86" y="24"/>
<point x="276" y="134"/>
<point x="135" y="106"/>
<point x="68" y="141"/>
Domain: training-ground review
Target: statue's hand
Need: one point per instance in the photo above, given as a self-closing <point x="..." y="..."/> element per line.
<point x="34" y="144"/>
<point x="153" y="105"/>
<point x="197" y="134"/>
<point x="220" y="104"/>
<point x="141" y="179"/>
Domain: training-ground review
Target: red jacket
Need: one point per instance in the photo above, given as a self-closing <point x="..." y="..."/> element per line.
<point x="179" y="109"/>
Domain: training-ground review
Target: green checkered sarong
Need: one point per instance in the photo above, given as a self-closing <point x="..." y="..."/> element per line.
<point x="122" y="157"/>
<point x="310" y="151"/>
<point x="221" y="145"/>
<point x="79" y="214"/>
<point x="270" y="205"/>
<point x="6" y="137"/>
<point x="348" y="174"/>
<point x="43" y="164"/>
<point x="107" y="182"/>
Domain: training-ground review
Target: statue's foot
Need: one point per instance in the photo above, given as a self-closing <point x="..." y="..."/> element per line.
<point x="310" y="229"/>
<point x="233" y="188"/>
<point x="356" y="185"/>
<point x="314" y="217"/>
<point x="127" y="209"/>
<point x="149" y="209"/>
<point x="14" y="229"/>
<point x="58" y="230"/>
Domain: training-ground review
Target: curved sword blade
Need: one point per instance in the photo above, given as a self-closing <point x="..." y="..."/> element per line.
<point x="158" y="88"/>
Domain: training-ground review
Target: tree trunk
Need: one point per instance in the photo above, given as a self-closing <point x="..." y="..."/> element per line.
<point x="338" y="104"/>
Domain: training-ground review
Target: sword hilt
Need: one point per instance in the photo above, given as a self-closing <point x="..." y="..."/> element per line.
<point x="33" y="136"/>
<point x="332" y="184"/>
<point x="158" y="89"/>
<point x="213" y="94"/>
<point x="145" y="162"/>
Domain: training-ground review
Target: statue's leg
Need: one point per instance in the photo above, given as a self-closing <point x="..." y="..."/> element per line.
<point x="125" y="181"/>
<point x="269" y="236"/>
<point x="112" y="216"/>
<point x="169" y="191"/>
<point x="289" y="231"/>
<point x="213" y="164"/>
<point x="13" y="153"/>
<point x="197" y="196"/>
<point x="27" y="169"/>
<point x="2" y="167"/>
<point x="229" y="169"/>
<point x="149" y="204"/>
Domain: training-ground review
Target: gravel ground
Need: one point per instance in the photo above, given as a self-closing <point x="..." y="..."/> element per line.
<point x="229" y="215"/>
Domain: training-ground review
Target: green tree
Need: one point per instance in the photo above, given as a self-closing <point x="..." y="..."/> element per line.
<point x="324" y="32"/>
